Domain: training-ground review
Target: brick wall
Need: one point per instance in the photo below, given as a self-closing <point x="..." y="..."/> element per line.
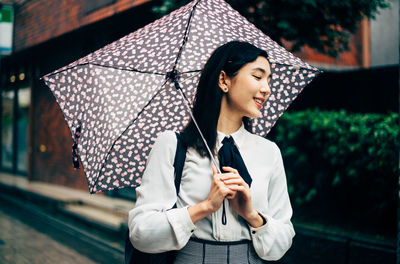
<point x="37" y="21"/>
<point x="51" y="148"/>
<point x="357" y="56"/>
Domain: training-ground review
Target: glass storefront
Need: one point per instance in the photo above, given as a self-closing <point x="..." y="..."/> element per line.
<point x="15" y="103"/>
<point x="7" y="117"/>
<point x="24" y="101"/>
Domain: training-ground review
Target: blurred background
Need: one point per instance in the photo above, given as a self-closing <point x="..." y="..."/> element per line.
<point x="339" y="139"/>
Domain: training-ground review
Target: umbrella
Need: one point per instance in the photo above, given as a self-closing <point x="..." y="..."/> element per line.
<point x="117" y="99"/>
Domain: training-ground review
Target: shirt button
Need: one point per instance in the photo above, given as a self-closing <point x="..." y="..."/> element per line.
<point x="191" y="231"/>
<point x="253" y="232"/>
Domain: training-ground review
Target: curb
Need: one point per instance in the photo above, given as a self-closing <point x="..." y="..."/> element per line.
<point x="59" y="207"/>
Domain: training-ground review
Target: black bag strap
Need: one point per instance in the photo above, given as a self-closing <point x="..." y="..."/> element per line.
<point x="179" y="161"/>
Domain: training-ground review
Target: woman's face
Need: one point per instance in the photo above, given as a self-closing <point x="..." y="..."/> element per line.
<point x="249" y="89"/>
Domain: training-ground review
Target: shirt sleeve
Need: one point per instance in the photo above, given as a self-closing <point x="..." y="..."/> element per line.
<point x="273" y="239"/>
<point x="153" y="226"/>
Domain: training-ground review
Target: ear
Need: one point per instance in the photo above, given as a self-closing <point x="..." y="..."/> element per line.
<point x="224" y="82"/>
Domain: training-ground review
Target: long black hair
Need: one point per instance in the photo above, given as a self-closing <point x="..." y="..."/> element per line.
<point x="230" y="58"/>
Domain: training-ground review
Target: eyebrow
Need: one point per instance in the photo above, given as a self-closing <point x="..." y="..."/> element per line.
<point x="260" y="69"/>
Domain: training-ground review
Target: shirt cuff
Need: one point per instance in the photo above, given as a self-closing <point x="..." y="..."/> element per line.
<point x="181" y="222"/>
<point x="261" y="229"/>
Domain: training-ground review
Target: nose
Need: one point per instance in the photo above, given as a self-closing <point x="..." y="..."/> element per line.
<point x="265" y="89"/>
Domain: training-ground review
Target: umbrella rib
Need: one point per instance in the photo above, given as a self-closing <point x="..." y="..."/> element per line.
<point x="186" y="34"/>
<point x="311" y="68"/>
<point x="190" y="71"/>
<point x="106" y="66"/>
<point x="109" y="152"/>
<point x="133" y="70"/>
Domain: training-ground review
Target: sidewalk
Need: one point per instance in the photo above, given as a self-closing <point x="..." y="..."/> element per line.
<point x="108" y="213"/>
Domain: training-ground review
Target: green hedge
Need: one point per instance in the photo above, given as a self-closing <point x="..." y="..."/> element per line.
<point x="341" y="167"/>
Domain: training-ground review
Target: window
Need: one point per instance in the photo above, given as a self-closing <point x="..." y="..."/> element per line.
<point x="24" y="101"/>
<point x="7" y="117"/>
<point x="15" y="104"/>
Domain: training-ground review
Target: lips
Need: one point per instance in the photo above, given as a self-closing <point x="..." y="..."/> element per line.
<point x="259" y="101"/>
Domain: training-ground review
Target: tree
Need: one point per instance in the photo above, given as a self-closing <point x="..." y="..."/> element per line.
<point x="324" y="25"/>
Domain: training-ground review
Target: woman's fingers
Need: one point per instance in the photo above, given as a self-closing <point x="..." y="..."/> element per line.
<point x="230" y="169"/>
<point x="224" y="181"/>
<point x="233" y="173"/>
<point x="239" y="181"/>
<point x="220" y="184"/>
<point x="237" y="188"/>
<point x="227" y="176"/>
<point x="235" y="181"/>
<point x="231" y="195"/>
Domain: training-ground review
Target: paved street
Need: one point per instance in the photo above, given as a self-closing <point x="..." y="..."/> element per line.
<point x="20" y="243"/>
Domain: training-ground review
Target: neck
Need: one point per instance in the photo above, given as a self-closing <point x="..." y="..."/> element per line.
<point x="228" y="121"/>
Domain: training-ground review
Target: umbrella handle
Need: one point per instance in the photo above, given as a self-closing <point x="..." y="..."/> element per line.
<point x="197" y="126"/>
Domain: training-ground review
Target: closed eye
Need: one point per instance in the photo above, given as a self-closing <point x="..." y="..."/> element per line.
<point x="257" y="77"/>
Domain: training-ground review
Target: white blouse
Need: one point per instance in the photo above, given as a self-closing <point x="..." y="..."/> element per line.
<point x="155" y="227"/>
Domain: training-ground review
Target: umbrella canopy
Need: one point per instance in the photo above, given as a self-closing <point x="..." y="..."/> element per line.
<point x="117" y="99"/>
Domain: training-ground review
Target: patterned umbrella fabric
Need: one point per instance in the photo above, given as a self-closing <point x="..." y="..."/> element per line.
<point x="117" y="99"/>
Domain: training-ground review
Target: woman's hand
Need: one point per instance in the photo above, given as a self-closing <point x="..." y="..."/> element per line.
<point x="218" y="192"/>
<point x="241" y="202"/>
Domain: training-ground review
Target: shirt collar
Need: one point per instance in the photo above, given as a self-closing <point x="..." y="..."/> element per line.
<point x="238" y="137"/>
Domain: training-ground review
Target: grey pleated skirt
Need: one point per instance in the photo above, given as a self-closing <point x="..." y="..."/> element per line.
<point x="198" y="251"/>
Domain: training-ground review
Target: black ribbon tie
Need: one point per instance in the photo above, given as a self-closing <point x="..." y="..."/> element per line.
<point x="229" y="155"/>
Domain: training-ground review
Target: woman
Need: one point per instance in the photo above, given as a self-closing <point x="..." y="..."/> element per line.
<point x="241" y="215"/>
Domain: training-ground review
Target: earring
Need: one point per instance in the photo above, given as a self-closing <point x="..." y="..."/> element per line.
<point x="225" y="89"/>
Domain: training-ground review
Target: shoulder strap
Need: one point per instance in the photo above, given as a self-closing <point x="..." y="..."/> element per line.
<point x="179" y="161"/>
